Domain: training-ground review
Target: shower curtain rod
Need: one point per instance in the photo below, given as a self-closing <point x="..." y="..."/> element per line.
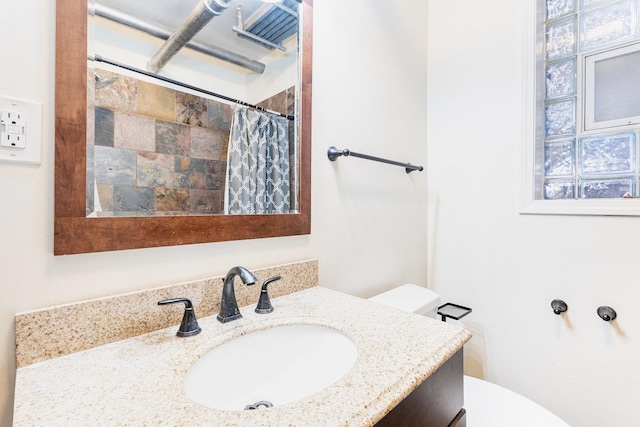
<point x="333" y="153"/>
<point x="98" y="58"/>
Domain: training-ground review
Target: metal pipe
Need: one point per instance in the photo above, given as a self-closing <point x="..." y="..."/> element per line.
<point x="130" y="21"/>
<point x="162" y="33"/>
<point x="196" y="21"/>
<point x="333" y="153"/>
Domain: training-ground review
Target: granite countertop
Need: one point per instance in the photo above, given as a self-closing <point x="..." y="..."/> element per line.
<point x="139" y="380"/>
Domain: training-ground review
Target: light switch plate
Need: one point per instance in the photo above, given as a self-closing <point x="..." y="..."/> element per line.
<point x="20" y="131"/>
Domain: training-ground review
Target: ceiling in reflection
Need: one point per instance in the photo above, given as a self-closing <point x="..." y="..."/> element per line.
<point x="170" y="14"/>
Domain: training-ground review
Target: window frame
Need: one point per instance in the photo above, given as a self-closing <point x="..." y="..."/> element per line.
<point x="590" y="61"/>
<point x="532" y="121"/>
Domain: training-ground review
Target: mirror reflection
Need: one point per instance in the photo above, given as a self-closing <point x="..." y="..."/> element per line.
<point x="192" y="107"/>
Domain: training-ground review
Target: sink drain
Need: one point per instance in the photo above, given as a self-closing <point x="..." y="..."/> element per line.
<point x="263" y="403"/>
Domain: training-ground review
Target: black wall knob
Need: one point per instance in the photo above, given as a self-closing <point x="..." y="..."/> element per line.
<point x="607" y="313"/>
<point x="559" y="306"/>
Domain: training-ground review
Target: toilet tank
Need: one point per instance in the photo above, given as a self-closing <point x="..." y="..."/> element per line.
<point x="411" y="298"/>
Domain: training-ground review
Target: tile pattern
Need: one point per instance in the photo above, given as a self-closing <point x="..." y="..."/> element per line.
<point x="172" y="138"/>
<point x="57" y="331"/>
<point x="104" y="121"/>
<point x="156" y="101"/>
<point x="165" y="144"/>
<point x="114" y="166"/>
<point x="139" y="381"/>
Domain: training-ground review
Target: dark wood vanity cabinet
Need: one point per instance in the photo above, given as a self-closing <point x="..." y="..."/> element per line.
<point x="437" y="402"/>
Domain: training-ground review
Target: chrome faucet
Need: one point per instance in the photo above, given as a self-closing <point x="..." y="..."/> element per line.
<point x="228" y="304"/>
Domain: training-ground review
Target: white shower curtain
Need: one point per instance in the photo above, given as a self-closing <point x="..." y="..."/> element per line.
<point x="257" y="164"/>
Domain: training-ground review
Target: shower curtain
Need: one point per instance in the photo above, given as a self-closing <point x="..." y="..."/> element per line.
<point x="257" y="164"/>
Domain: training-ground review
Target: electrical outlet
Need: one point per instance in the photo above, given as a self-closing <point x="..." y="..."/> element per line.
<point x="20" y="131"/>
<point x="12" y="129"/>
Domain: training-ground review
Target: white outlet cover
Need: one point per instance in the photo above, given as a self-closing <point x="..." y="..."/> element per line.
<point x="30" y="129"/>
<point x="12" y="129"/>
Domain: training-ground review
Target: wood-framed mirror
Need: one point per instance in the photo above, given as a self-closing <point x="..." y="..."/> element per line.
<point x="76" y="233"/>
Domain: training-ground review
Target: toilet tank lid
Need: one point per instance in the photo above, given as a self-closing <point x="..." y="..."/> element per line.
<point x="411" y="298"/>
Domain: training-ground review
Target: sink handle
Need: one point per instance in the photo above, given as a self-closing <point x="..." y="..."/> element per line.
<point x="189" y="325"/>
<point x="264" y="303"/>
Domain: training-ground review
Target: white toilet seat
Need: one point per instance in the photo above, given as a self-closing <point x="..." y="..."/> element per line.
<point x="489" y="405"/>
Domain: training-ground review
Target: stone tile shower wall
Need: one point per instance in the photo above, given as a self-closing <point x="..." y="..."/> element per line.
<point x="153" y="150"/>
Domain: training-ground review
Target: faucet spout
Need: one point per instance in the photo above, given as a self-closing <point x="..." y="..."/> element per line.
<point x="228" y="304"/>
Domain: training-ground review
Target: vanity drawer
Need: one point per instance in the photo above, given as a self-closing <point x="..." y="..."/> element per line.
<point x="437" y="402"/>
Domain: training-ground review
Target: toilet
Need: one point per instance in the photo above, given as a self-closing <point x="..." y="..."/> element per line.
<point x="487" y="404"/>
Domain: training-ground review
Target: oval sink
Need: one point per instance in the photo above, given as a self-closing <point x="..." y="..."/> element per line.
<point x="277" y="365"/>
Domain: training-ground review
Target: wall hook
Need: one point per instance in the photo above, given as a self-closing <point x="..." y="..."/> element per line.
<point x="559" y="306"/>
<point x="607" y="313"/>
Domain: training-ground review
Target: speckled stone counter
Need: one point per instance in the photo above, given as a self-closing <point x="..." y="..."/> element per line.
<point x="55" y="331"/>
<point x="139" y="381"/>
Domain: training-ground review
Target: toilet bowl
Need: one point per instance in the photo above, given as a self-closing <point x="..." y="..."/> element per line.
<point x="487" y="404"/>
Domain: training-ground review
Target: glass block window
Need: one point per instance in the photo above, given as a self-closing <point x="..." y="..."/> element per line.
<point x="560" y="79"/>
<point x="588" y="66"/>
<point x="608" y="23"/>
<point x="558" y="189"/>
<point x="605" y="188"/>
<point x="556" y="8"/>
<point x="561" y="38"/>
<point x="559" y="158"/>
<point x="612" y="154"/>
<point x="560" y="118"/>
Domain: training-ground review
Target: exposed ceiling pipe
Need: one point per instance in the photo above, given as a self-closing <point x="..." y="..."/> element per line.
<point x="164" y="34"/>
<point x="130" y="21"/>
<point x="197" y="19"/>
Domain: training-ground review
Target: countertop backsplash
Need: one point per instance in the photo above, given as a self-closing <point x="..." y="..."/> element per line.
<point x="59" y="330"/>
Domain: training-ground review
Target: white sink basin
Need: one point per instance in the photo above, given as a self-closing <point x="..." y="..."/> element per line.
<point x="279" y="365"/>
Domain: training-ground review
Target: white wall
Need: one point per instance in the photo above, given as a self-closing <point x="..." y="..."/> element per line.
<point x="369" y="228"/>
<point x="506" y="266"/>
<point x="368" y="220"/>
